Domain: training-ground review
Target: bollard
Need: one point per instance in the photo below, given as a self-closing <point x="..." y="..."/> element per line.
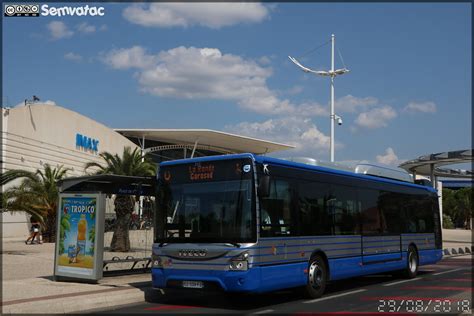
<point x="446" y="252"/>
<point x="453" y="251"/>
<point x="467" y="250"/>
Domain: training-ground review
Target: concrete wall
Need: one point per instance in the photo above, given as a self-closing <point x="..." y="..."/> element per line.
<point x="44" y="133"/>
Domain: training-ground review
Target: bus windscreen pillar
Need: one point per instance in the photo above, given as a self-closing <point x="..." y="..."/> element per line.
<point x="80" y="233"/>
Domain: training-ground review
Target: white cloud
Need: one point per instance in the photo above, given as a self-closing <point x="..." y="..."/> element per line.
<point x="265" y="60"/>
<point x="390" y="158"/>
<point x="208" y="73"/>
<point x="295" y="90"/>
<point x="312" y="109"/>
<point x="59" y="30"/>
<point x="212" y="15"/>
<point x="125" y="58"/>
<point x="376" y="117"/>
<point x="73" y="57"/>
<point x="351" y="104"/>
<point x="201" y="73"/>
<point x="423" y="107"/>
<point x="296" y="131"/>
<point x="86" y="28"/>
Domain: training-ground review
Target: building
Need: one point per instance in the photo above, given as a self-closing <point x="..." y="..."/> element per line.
<point x="42" y="133"/>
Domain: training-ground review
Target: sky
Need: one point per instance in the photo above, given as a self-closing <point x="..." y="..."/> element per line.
<point x="225" y="66"/>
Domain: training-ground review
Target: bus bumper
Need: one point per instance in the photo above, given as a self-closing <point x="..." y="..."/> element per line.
<point x="229" y="281"/>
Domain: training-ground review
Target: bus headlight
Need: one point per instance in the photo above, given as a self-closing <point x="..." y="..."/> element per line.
<point x="156" y="262"/>
<point x="239" y="263"/>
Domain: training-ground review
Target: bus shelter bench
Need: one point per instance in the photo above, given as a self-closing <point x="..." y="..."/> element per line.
<point x="116" y="259"/>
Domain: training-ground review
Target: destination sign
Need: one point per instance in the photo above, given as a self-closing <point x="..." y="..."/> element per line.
<point x="219" y="170"/>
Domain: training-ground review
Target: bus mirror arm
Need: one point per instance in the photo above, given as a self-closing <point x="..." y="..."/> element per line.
<point x="264" y="186"/>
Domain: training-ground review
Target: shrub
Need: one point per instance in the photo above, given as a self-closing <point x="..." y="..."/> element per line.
<point x="447" y="222"/>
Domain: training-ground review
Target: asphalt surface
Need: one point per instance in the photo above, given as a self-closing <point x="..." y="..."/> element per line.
<point x="438" y="289"/>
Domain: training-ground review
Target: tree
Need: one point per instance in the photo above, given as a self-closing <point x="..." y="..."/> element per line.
<point x="64" y="228"/>
<point x="130" y="164"/>
<point x="465" y="207"/>
<point x="458" y="205"/>
<point x="37" y="195"/>
<point x="450" y="204"/>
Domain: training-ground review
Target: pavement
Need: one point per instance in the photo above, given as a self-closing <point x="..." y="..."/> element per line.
<point x="456" y="239"/>
<point x="28" y="285"/>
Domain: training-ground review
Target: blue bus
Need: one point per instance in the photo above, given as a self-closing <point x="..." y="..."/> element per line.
<point x="248" y="223"/>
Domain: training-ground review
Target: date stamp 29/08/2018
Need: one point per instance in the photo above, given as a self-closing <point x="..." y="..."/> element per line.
<point x="425" y="306"/>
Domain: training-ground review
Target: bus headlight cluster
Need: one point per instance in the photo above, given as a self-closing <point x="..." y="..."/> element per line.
<point x="239" y="263"/>
<point x="156" y="262"/>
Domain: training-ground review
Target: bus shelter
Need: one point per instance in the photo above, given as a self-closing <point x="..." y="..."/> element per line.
<point x="86" y="231"/>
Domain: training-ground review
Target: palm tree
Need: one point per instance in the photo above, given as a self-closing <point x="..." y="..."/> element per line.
<point x="91" y="238"/>
<point x="37" y="195"/>
<point x="130" y="164"/>
<point x="64" y="228"/>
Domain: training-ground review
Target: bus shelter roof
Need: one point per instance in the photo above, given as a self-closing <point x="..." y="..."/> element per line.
<point x="109" y="184"/>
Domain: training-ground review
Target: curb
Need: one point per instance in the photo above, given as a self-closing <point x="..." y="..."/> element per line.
<point x="459" y="251"/>
<point x="81" y="303"/>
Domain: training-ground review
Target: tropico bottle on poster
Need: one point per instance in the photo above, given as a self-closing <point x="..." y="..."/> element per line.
<point x="81" y="236"/>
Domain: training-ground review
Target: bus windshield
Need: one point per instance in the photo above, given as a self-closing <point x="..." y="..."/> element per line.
<point x="203" y="206"/>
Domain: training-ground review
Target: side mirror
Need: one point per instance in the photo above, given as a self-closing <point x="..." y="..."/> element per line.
<point x="263" y="189"/>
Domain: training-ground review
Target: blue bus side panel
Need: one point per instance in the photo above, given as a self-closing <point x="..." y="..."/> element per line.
<point x="345" y="268"/>
<point x="430" y="256"/>
<point x="283" y="276"/>
<point x="352" y="267"/>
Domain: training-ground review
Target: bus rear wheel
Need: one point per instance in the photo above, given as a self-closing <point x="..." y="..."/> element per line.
<point x="412" y="263"/>
<point x="317" y="277"/>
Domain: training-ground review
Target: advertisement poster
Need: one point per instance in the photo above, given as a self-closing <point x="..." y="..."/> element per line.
<point x="77" y="235"/>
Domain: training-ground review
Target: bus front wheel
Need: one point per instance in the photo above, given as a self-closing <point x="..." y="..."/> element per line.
<point x="317" y="277"/>
<point x="412" y="263"/>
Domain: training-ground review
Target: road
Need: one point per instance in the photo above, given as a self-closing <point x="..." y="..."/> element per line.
<point x="442" y="288"/>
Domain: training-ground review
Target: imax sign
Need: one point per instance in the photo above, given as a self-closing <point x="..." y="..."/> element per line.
<point x="87" y="143"/>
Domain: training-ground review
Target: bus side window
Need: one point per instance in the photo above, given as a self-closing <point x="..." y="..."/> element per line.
<point x="345" y="210"/>
<point x="275" y="214"/>
<point x="370" y="213"/>
<point x="314" y="217"/>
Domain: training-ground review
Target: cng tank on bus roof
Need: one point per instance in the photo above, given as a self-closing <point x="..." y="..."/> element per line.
<point x="319" y="163"/>
<point x="384" y="171"/>
<point x="361" y="167"/>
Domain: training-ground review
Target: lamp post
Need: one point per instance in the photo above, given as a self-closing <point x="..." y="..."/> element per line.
<point x="331" y="73"/>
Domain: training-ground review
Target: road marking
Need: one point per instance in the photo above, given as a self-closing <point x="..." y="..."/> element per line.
<point x="168" y="307"/>
<point x="442" y="288"/>
<point x="459" y="280"/>
<point x="439" y="273"/>
<point x="265" y="311"/>
<point x="398" y="282"/>
<point x="334" y="296"/>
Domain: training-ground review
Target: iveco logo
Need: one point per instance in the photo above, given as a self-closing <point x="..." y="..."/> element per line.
<point x="192" y="253"/>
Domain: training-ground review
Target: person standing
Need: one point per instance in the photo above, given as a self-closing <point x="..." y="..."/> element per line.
<point x="35" y="232"/>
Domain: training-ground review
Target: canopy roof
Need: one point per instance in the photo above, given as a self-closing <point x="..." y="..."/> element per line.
<point x="214" y="140"/>
<point x="422" y="165"/>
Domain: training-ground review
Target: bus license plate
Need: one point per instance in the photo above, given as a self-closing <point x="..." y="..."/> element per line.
<point x="193" y="284"/>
